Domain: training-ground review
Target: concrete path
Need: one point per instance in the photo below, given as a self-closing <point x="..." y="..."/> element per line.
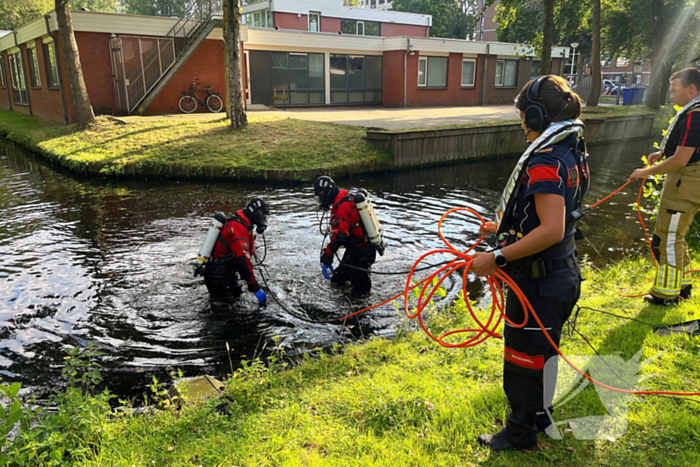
<point x="376" y="117"/>
<point x="399" y="119"/>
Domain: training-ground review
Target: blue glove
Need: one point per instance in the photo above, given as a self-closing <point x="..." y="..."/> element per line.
<point x="327" y="270"/>
<point x="262" y="297"/>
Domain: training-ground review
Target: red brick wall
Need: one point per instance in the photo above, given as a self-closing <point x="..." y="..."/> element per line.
<point x="392" y="78"/>
<point x="207" y="64"/>
<point x="393" y="30"/>
<point x="291" y="21"/>
<point x="97" y="70"/>
<point x="453" y="94"/>
<point x="46" y="103"/>
<point x="330" y="24"/>
<point x="3" y="91"/>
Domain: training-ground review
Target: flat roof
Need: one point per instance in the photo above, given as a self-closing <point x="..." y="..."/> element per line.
<point x="336" y="9"/>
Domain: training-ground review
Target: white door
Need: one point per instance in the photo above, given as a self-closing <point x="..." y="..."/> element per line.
<point x="247" y="78"/>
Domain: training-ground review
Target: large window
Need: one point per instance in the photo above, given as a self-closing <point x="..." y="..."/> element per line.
<point x="258" y="19"/>
<point x="506" y="73"/>
<point x="3" y="81"/>
<point x="535" y="71"/>
<point x="302" y="74"/>
<point x="50" y="64"/>
<point x="34" y="67"/>
<point x="315" y="22"/>
<point x="360" y="28"/>
<point x="468" y="72"/>
<point x="356" y="79"/>
<point x="432" y="72"/>
<point x="19" y="85"/>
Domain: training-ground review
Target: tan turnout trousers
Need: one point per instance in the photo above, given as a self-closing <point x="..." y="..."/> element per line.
<point x="680" y="200"/>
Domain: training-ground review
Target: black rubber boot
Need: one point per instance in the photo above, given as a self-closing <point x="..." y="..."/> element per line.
<point x="686" y="292"/>
<point x="653" y="300"/>
<point x="497" y="442"/>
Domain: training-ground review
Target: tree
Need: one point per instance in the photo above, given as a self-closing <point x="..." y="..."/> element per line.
<point x="235" y="109"/>
<point x="155" y="7"/>
<point x="547" y="38"/>
<point x="16" y="13"/>
<point x="81" y="100"/>
<point x="451" y="18"/>
<point x="665" y="31"/>
<point x="595" y="56"/>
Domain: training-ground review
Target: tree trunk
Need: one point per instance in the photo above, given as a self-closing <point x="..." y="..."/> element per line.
<point x="81" y="100"/>
<point x="657" y="56"/>
<point x="232" y="41"/>
<point x="595" y="56"/>
<point x="547" y="38"/>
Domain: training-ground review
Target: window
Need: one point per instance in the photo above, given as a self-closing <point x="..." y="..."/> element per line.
<point x="371" y="28"/>
<point x="19" y="86"/>
<point x="506" y="73"/>
<point x="432" y="72"/>
<point x="314" y="22"/>
<point x="535" y="70"/>
<point x="622" y="62"/>
<point x="356" y="79"/>
<point x="3" y="81"/>
<point x="258" y="19"/>
<point x="302" y="74"/>
<point x="360" y="28"/>
<point x="50" y="62"/>
<point x="468" y="72"/>
<point x="34" y="67"/>
<point x="348" y="26"/>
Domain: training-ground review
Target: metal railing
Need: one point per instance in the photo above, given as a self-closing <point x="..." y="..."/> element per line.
<point x="167" y="51"/>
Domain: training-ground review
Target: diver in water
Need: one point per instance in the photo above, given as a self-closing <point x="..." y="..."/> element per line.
<point x="347" y="230"/>
<point x="538" y="214"/>
<point x="233" y="249"/>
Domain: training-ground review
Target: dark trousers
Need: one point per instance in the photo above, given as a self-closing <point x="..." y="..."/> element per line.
<point x="222" y="281"/>
<point x="529" y="388"/>
<point x="361" y="257"/>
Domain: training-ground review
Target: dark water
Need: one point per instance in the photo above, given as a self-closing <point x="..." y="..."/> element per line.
<point x="110" y="262"/>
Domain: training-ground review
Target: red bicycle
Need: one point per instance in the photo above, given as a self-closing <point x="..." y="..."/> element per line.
<point x="189" y="99"/>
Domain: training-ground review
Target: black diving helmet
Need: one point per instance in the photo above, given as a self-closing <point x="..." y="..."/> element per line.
<point x="325" y="191"/>
<point x="258" y="212"/>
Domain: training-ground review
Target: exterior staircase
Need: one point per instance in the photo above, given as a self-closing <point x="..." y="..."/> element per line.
<point x="157" y="67"/>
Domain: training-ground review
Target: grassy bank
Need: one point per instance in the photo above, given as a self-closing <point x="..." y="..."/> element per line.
<point x="273" y="148"/>
<point x="408" y="402"/>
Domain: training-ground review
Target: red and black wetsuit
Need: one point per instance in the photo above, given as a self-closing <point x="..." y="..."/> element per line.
<point x="347" y="231"/>
<point x="232" y="255"/>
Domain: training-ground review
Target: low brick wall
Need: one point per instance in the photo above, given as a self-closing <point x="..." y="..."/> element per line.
<point x="440" y="146"/>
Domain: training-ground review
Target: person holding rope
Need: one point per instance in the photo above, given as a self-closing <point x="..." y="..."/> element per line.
<point x="680" y="198"/>
<point x="347" y="231"/>
<point x="537" y="222"/>
<point x="234" y="248"/>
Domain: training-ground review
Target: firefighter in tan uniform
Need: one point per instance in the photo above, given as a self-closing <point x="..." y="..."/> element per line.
<point x="680" y="198"/>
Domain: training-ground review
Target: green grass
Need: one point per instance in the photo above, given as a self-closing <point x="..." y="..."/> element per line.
<point x="408" y="402"/>
<point x="198" y="147"/>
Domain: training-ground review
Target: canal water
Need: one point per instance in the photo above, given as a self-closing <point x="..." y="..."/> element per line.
<point x="111" y="263"/>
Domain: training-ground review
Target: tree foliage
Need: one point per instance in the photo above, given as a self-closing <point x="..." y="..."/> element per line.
<point x="451" y="18"/>
<point x="16" y="13"/>
<point x="155" y="7"/>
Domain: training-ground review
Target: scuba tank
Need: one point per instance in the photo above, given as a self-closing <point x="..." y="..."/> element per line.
<point x="369" y="220"/>
<point x="212" y="236"/>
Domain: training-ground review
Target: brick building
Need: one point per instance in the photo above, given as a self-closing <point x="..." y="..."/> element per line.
<point x="627" y="72"/>
<point x="320" y="51"/>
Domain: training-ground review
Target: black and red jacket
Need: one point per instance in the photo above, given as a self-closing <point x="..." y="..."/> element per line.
<point x="236" y="240"/>
<point x="346" y="226"/>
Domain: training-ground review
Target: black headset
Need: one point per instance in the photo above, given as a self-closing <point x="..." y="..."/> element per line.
<point x="536" y="117"/>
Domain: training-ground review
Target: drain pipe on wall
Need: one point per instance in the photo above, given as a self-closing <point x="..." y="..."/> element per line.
<point x="405" y="69"/>
<point x="58" y="69"/>
<point x="483" y="81"/>
<point x="24" y="72"/>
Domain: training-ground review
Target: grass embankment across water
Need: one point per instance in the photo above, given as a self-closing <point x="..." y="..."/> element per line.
<point x="409" y="402"/>
<point x="273" y="148"/>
